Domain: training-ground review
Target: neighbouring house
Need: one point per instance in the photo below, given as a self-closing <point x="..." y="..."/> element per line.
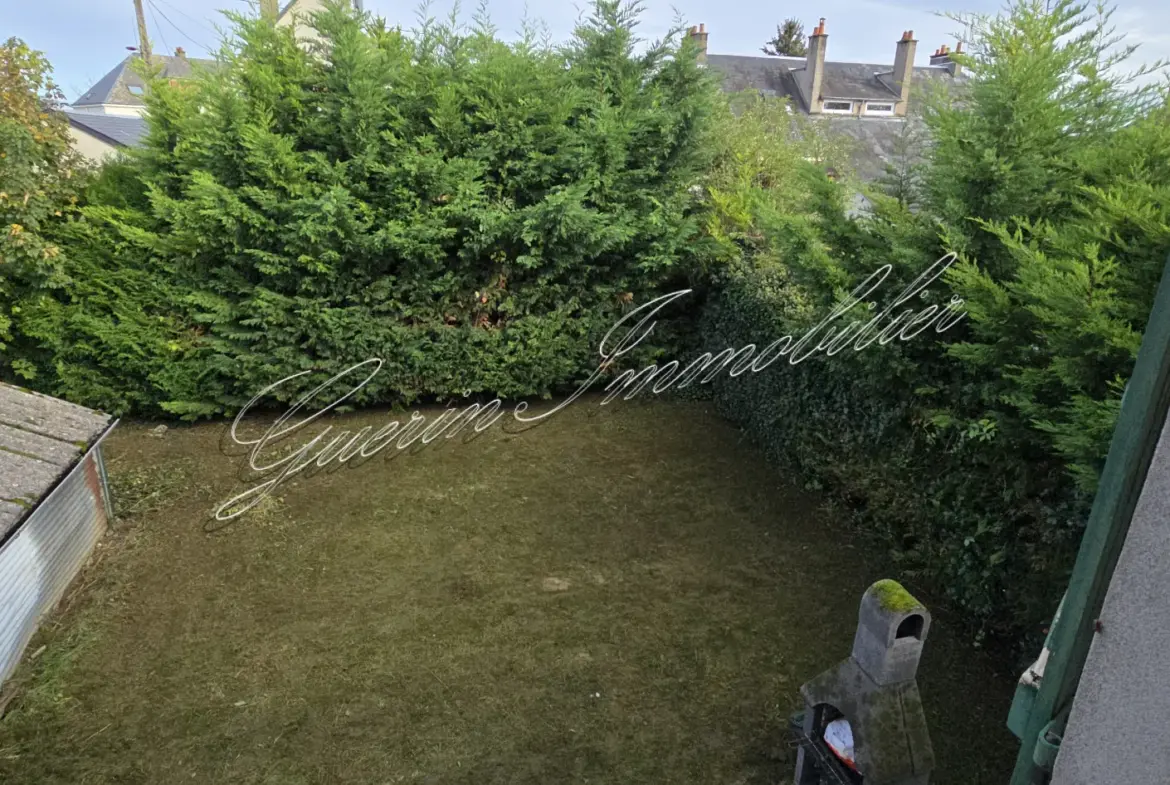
<point x="297" y="12"/>
<point x="110" y="115"/>
<point x="99" y="136"/>
<point x="121" y="91"/>
<point x="867" y="101"/>
<point x="54" y="505"/>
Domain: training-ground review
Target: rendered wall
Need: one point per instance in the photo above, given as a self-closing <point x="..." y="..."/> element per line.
<point x="1119" y="728"/>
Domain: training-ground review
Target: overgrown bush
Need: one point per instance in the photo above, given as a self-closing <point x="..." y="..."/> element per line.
<point x="40" y="179"/>
<point x="478" y="214"/>
<point x="975" y="454"/>
<point x="474" y="212"/>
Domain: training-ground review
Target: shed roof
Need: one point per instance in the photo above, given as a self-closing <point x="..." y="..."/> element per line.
<point x="41" y="438"/>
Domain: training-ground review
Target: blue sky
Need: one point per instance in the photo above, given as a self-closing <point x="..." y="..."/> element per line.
<point x="85" y="38"/>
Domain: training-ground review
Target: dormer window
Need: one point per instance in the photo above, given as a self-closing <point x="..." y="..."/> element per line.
<point x="838" y="107"/>
<point x="879" y="107"/>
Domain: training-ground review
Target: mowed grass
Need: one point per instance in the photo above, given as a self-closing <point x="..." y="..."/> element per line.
<point x="625" y="594"/>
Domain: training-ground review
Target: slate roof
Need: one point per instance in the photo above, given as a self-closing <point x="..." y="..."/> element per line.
<point x="875" y="138"/>
<point x="776" y="76"/>
<point x="114" y="87"/>
<point x="858" y="80"/>
<point x="117" y="130"/>
<point x="756" y="73"/>
<point x="41" y="438"/>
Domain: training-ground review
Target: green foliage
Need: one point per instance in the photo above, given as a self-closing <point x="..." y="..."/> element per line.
<point x="789" y="40"/>
<point x="762" y="183"/>
<point x="40" y="176"/>
<point x="476" y="213"/>
<point x="975" y="454"/>
<point x="1046" y="95"/>
<point x="1064" y="223"/>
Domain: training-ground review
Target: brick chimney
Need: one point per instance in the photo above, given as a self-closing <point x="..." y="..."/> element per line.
<point x="699" y="36"/>
<point x="180" y="53"/>
<point x="814" y="67"/>
<point x="904" y="70"/>
<point x="943" y="57"/>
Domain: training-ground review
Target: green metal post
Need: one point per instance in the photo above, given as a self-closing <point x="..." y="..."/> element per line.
<point x="1139" y="425"/>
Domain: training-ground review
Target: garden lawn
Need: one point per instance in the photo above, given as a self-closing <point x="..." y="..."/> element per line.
<point x="625" y="594"/>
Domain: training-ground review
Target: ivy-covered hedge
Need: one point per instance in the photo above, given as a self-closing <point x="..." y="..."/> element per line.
<point x="974" y="454"/>
<point x="991" y="533"/>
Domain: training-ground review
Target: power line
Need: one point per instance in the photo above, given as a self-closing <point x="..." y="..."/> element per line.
<point x="191" y="18"/>
<point x="159" y="28"/>
<point x="154" y="8"/>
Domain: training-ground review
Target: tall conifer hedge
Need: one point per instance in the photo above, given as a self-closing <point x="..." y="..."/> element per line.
<point x="475" y="213"/>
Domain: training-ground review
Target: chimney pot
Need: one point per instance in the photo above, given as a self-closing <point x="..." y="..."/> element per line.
<point x="699" y="36"/>
<point x="810" y="78"/>
<point x="959" y="47"/>
<point x="179" y="52"/>
<point x="904" y="70"/>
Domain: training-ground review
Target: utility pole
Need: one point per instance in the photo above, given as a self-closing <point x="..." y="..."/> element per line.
<point x="268" y="10"/>
<point x="143" y="40"/>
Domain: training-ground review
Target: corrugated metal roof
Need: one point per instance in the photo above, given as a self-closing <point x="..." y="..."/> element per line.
<point x="40" y="439"/>
<point x="40" y="559"/>
<point x="115" y="87"/>
<point x="114" y="129"/>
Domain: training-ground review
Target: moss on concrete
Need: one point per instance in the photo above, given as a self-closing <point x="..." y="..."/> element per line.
<point x="893" y="597"/>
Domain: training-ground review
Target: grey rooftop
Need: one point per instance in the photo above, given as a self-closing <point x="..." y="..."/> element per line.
<point x="116" y="86"/>
<point x="773" y="76"/>
<point x="117" y="130"/>
<point x="41" y="438"/>
<point x="875" y="139"/>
